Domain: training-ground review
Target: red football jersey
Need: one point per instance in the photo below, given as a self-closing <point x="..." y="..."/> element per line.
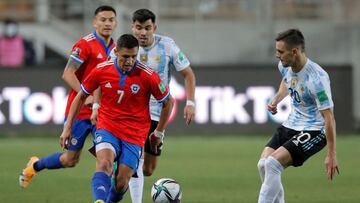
<point x="124" y="109"/>
<point x="88" y="51"/>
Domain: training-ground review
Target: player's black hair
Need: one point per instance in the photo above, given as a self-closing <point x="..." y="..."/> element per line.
<point x="127" y="41"/>
<point x="143" y="15"/>
<point x="292" y="38"/>
<point x="104" y="8"/>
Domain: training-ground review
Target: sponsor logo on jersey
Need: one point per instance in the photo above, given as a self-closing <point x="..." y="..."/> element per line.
<point x="76" y="52"/>
<point x="143" y="58"/>
<point x="162" y="87"/>
<point x="134" y="88"/>
<point x="99" y="56"/>
<point x="108" y="85"/>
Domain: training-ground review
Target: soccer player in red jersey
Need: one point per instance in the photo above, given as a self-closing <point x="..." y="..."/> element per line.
<point x="124" y="118"/>
<point x="86" y="53"/>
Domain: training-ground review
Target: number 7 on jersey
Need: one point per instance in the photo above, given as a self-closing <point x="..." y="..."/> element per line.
<point x="121" y="95"/>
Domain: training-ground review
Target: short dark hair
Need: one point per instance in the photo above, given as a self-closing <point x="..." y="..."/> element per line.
<point x="143" y="15"/>
<point x="104" y="8"/>
<point x="292" y="37"/>
<point x="127" y="41"/>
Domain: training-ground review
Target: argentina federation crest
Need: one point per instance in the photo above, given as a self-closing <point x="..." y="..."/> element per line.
<point x="134" y="88"/>
<point x="143" y="58"/>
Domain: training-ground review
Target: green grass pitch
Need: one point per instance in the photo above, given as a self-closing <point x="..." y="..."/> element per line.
<point x="218" y="169"/>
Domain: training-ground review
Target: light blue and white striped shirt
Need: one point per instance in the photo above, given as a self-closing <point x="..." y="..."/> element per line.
<point x="310" y="92"/>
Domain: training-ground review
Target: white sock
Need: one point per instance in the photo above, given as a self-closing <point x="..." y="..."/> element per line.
<point x="272" y="182"/>
<point x="136" y="185"/>
<point x="261" y="168"/>
<point x="280" y="197"/>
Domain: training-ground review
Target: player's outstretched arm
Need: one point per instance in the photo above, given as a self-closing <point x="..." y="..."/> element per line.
<point x="331" y="163"/>
<point x="279" y="96"/>
<point x="190" y="83"/>
<point x="73" y="113"/>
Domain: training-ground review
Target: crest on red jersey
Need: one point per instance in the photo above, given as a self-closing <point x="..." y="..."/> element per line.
<point x="76" y="52"/>
<point x="134" y="88"/>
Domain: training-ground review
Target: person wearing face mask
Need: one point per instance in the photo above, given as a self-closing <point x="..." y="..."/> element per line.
<point x="12" y="49"/>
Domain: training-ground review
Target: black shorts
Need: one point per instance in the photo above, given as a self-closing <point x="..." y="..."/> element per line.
<point x="147" y="143"/>
<point x="300" y="144"/>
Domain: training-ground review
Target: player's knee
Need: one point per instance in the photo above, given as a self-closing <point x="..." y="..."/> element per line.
<point x="273" y="164"/>
<point x="122" y="184"/>
<point x="104" y="165"/>
<point x="73" y="163"/>
<point x="148" y="171"/>
<point x="261" y="164"/>
<point x="70" y="161"/>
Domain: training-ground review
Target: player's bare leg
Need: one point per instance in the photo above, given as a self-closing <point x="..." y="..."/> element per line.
<point x="123" y="176"/>
<point x="150" y="163"/>
<point x="70" y="158"/>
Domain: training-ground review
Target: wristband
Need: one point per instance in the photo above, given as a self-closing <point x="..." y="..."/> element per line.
<point x="190" y="103"/>
<point x="95" y="106"/>
<point x="159" y="134"/>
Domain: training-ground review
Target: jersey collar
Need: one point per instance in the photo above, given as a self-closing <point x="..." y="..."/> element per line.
<point x="156" y="39"/>
<point x="119" y="69"/>
<point x="102" y="42"/>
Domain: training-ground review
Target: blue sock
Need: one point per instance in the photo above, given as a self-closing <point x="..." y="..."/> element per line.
<point x="49" y="162"/>
<point x="100" y="185"/>
<point x="114" y="196"/>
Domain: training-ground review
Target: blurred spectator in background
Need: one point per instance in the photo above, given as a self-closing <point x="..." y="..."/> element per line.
<point x="14" y="50"/>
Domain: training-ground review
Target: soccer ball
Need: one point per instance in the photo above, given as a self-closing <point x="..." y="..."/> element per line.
<point x="166" y="190"/>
